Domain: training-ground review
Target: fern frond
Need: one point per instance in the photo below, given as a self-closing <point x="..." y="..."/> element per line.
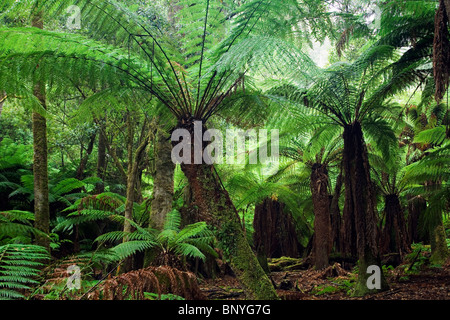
<point x="128" y="248"/>
<point x="19" y="266"/>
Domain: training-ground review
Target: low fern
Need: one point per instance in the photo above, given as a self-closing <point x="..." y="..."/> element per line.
<point x="19" y="267"/>
<point x="194" y="240"/>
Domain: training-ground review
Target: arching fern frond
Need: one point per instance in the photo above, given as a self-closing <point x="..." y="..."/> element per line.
<point x="19" y="267"/>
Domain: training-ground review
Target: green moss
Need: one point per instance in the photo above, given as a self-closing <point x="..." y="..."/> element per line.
<point x="284" y="263"/>
<point x="440" y="250"/>
<point x="251" y="274"/>
<point x="361" y="288"/>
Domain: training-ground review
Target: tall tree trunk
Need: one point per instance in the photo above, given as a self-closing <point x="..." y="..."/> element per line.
<point x="447" y="7"/>
<point x="394" y="237"/>
<point x="216" y="207"/>
<point x="322" y="223"/>
<point x="133" y="174"/>
<point x="275" y="235"/>
<point x="84" y="160"/>
<point x="163" y="187"/>
<point x="360" y="202"/>
<point x="439" y="250"/>
<point x="416" y="210"/>
<point x="101" y="158"/>
<point x="40" y="162"/>
<point x="335" y="216"/>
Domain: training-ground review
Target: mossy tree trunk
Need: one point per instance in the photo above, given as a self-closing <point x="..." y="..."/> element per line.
<point x="360" y="202"/>
<point x="133" y="175"/>
<point x="40" y="161"/>
<point x="322" y="222"/>
<point x="163" y="187"/>
<point x="215" y="206"/>
<point x="439" y="250"/>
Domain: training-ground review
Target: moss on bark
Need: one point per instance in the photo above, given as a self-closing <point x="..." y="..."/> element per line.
<point x="439" y="246"/>
<point x="216" y="208"/>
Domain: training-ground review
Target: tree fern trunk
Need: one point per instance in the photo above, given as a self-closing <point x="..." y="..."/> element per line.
<point x="394" y="238"/>
<point x="322" y="223"/>
<point x="361" y="202"/>
<point x="335" y="216"/>
<point x="40" y="162"/>
<point x="416" y="209"/>
<point x="275" y="235"/>
<point x="216" y="208"/>
<point x="163" y="183"/>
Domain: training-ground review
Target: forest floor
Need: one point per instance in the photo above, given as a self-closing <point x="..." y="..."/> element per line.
<point x="335" y="283"/>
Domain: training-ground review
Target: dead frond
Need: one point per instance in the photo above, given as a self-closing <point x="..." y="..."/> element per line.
<point x="159" y="280"/>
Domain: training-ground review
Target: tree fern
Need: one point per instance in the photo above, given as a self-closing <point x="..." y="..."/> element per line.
<point x="19" y="267"/>
<point x="17" y="224"/>
<point x="193" y="240"/>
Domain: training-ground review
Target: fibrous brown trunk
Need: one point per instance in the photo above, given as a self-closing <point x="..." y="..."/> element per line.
<point x="322" y="222"/>
<point x="441" y="50"/>
<point x="163" y="181"/>
<point x="215" y="206"/>
<point x="40" y="161"/>
<point x="416" y="210"/>
<point x="274" y="231"/>
<point x="359" y="207"/>
<point x="335" y="216"/>
<point x="394" y="237"/>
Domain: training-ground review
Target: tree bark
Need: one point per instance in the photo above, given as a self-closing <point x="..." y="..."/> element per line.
<point x="394" y="237"/>
<point x="360" y="206"/>
<point x="101" y="158"/>
<point x="215" y="206"/>
<point x="439" y="250"/>
<point x="322" y="222"/>
<point x="447" y="8"/>
<point x="84" y="160"/>
<point x="163" y="187"/>
<point x="416" y="209"/>
<point x="335" y="216"/>
<point x="40" y="161"/>
<point x="134" y="161"/>
<point x="274" y="231"/>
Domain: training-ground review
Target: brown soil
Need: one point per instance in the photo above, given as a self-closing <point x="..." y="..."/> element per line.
<point x="336" y="283"/>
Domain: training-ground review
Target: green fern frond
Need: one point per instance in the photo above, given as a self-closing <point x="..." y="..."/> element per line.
<point x="128" y="248"/>
<point x="19" y="267"/>
<point x="435" y="136"/>
<point x="189" y="250"/>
